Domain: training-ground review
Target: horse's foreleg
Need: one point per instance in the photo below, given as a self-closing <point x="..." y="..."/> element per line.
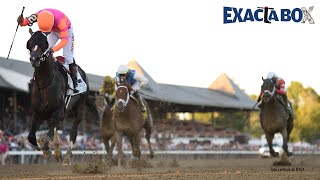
<point x="36" y="122"/>
<point x="57" y="150"/>
<point x="269" y="138"/>
<point x="285" y="141"/>
<point x="113" y="143"/>
<point x="137" y="143"/>
<point x="119" y="147"/>
<point x="53" y="123"/>
<point x="107" y="146"/>
<point x="67" y="158"/>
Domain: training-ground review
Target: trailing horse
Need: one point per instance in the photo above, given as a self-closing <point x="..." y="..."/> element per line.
<point x="107" y="124"/>
<point x="129" y="121"/>
<point x="274" y="117"/>
<point x="48" y="97"/>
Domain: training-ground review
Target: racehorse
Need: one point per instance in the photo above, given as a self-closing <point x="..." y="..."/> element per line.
<point x="129" y="121"/>
<point x="274" y="117"/>
<point x="48" y="98"/>
<point x="107" y="124"/>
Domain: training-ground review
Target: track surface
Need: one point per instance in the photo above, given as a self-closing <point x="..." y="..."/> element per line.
<point x="307" y="167"/>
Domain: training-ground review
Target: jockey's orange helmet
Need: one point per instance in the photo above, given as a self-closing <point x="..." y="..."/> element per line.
<point x="45" y="21"/>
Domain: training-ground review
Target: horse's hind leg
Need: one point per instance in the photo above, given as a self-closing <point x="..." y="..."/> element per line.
<point x="148" y="130"/>
<point x="269" y="138"/>
<point x="78" y="114"/>
<point x="289" y="128"/>
<point x="36" y="122"/>
<point x="285" y="141"/>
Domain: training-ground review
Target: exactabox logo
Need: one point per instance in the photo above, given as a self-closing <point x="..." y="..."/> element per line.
<point x="267" y="15"/>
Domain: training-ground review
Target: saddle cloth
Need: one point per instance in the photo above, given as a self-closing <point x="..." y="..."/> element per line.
<point x="82" y="86"/>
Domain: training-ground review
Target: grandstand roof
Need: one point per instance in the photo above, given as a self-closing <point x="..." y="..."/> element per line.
<point x="222" y="93"/>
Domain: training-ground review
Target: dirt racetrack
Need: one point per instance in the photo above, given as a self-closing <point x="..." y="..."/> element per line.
<point x="303" y="167"/>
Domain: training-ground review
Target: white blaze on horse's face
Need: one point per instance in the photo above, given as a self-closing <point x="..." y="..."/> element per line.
<point x="121" y="102"/>
<point x="35" y="48"/>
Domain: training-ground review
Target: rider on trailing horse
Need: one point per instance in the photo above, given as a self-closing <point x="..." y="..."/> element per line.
<point x="108" y="90"/>
<point x="135" y="80"/>
<point x="57" y="26"/>
<point x="280" y="89"/>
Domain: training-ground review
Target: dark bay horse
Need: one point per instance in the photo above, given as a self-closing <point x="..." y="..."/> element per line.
<point x="107" y="124"/>
<point x="129" y="121"/>
<point x="48" y="98"/>
<point x="274" y="117"/>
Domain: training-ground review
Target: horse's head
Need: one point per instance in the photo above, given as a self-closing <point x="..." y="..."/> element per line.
<point x="268" y="90"/>
<point x="37" y="45"/>
<point x="122" y="96"/>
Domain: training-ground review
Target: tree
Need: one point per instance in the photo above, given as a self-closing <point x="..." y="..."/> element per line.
<point x="306" y="105"/>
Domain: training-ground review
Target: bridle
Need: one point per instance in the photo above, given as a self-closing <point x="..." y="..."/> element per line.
<point x="268" y="92"/>
<point x="124" y="102"/>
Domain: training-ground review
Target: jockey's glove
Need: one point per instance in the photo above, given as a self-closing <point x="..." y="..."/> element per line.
<point x="20" y="19"/>
<point x="49" y="52"/>
<point x="259" y="99"/>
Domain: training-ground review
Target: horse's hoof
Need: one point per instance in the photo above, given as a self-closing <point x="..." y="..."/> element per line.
<point x="66" y="163"/>
<point x="57" y="156"/>
<point x="289" y="154"/>
<point x="151" y="155"/>
<point x="275" y="154"/>
<point x="47" y="153"/>
<point x="37" y="148"/>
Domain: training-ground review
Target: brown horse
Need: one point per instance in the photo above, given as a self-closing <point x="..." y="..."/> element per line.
<point x="274" y="117"/>
<point x="107" y="125"/>
<point x="129" y="121"/>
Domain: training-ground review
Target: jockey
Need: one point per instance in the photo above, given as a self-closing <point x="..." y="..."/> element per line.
<point x="280" y="88"/>
<point x="135" y="80"/>
<point x="107" y="89"/>
<point x="57" y="26"/>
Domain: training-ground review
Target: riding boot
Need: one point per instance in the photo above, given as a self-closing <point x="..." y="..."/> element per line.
<point x="73" y="73"/>
<point x="140" y="101"/>
<point x="285" y="101"/>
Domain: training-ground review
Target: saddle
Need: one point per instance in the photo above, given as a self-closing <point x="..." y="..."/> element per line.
<point x="82" y="86"/>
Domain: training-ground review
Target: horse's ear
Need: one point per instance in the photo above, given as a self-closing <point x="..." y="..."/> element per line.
<point x="262" y="78"/>
<point x="30" y="31"/>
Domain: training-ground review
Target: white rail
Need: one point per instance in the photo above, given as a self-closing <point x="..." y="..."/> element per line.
<point x="173" y="152"/>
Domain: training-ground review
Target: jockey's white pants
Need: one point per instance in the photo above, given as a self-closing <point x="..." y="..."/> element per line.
<point x="53" y="38"/>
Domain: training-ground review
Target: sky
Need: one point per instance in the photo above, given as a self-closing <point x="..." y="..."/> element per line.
<point x="182" y="42"/>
